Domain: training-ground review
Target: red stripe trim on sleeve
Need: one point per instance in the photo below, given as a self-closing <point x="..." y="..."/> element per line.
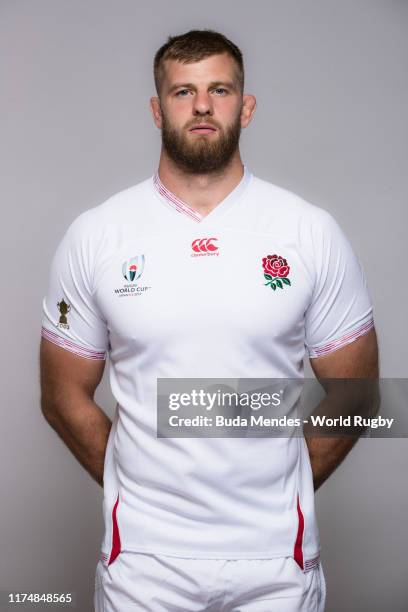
<point x="340" y="342"/>
<point x="115" y="550"/>
<point x="298" y="550"/>
<point x="72" y="346"/>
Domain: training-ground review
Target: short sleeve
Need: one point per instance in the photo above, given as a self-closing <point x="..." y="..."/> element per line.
<point x="70" y="316"/>
<point x="340" y="310"/>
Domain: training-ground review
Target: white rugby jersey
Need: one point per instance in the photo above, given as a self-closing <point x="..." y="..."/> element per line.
<point x="241" y="292"/>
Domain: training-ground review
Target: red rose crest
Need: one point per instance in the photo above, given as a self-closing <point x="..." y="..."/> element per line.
<point x="276" y="271"/>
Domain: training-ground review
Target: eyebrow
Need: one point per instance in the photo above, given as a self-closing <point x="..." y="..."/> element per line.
<point x="214" y="84"/>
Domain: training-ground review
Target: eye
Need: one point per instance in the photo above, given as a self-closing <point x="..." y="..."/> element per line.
<point x="220" y="90"/>
<point x="181" y="93"/>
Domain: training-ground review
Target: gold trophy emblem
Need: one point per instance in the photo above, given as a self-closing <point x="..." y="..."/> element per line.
<point x="64" y="309"/>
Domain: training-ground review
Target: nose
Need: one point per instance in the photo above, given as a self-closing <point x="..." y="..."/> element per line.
<point x="202" y="104"/>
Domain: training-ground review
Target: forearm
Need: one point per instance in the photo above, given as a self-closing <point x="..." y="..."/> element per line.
<point x="326" y="454"/>
<point x="347" y="398"/>
<point x="84" y="428"/>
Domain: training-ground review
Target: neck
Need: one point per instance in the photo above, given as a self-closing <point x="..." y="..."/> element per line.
<point x="203" y="192"/>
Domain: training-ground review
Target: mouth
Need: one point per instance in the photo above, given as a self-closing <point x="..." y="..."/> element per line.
<point x="202" y="128"/>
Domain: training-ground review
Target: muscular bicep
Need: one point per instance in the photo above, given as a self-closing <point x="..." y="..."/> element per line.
<point x="64" y="373"/>
<point x="358" y="359"/>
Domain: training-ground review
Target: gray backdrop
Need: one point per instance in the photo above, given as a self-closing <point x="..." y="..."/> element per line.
<point x="330" y="78"/>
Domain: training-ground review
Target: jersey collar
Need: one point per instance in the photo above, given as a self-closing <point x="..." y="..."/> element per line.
<point x="182" y="207"/>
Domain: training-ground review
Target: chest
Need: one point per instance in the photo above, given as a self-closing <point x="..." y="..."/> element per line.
<point x="186" y="284"/>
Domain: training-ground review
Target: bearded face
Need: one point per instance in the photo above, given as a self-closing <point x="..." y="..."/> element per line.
<point x="201" y="153"/>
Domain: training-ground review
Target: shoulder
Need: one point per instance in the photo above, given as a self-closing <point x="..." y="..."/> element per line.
<point x="110" y="209"/>
<point x="287" y="208"/>
<point x="96" y="221"/>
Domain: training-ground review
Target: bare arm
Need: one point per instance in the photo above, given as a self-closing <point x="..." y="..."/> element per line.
<point x="68" y="384"/>
<point x="358" y="359"/>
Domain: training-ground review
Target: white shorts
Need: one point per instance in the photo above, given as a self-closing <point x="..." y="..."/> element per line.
<point x="156" y="583"/>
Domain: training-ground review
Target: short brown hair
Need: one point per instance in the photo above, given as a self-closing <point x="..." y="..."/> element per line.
<point x="194" y="46"/>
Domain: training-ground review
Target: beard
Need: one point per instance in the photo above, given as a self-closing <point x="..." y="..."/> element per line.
<point x="201" y="156"/>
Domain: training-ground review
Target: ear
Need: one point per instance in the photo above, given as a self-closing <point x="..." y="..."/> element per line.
<point x="248" y="109"/>
<point x="156" y="111"/>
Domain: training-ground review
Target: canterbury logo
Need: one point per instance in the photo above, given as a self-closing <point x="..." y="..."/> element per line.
<point x="204" y="245"/>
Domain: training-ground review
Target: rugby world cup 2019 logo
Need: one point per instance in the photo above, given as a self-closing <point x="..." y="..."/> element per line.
<point x="132" y="270"/>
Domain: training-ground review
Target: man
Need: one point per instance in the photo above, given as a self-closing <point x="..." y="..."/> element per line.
<point x="202" y="270"/>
